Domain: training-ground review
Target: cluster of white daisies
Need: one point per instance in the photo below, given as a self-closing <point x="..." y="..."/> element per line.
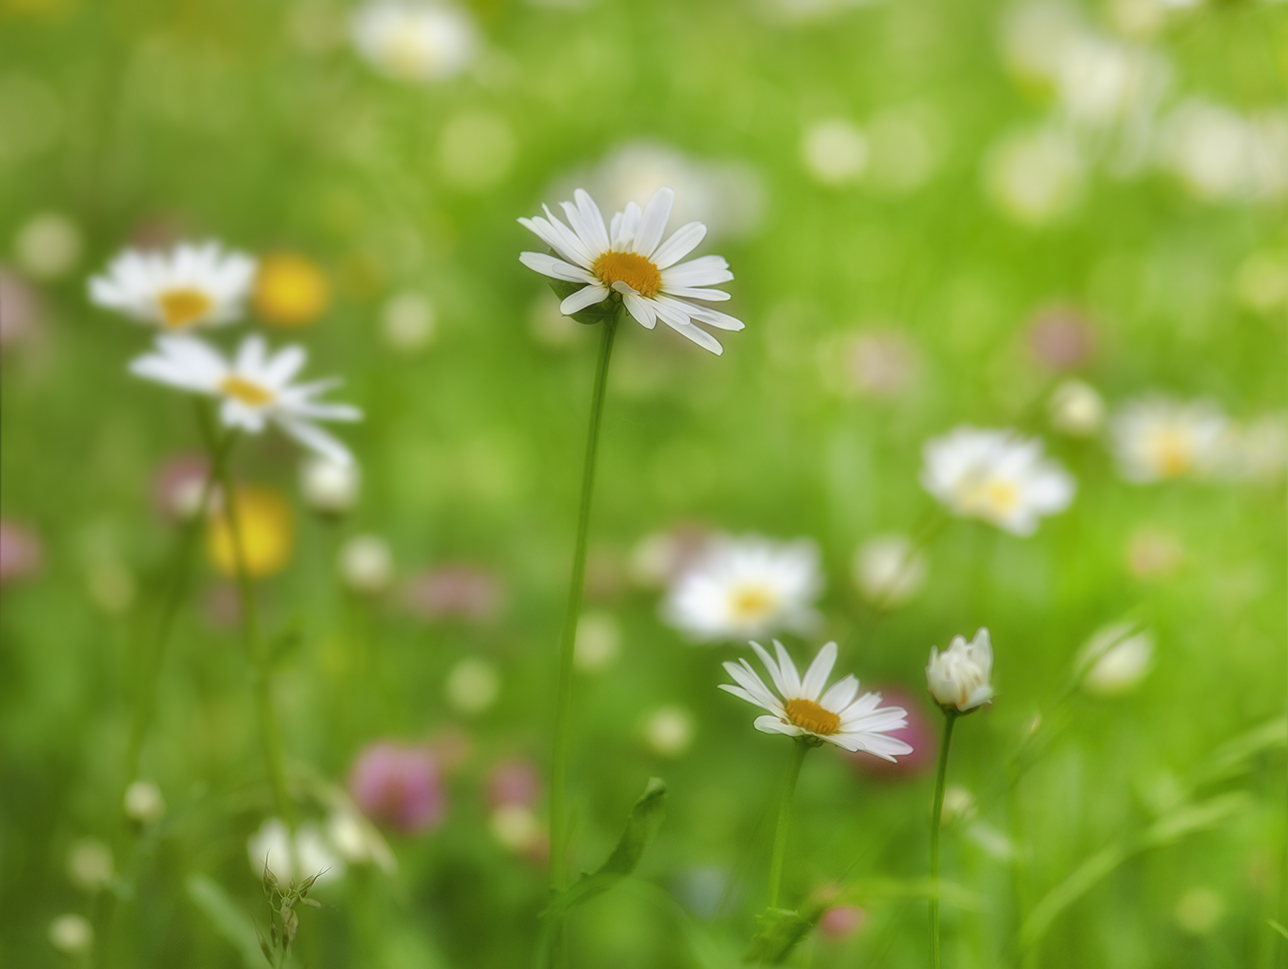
<point x="194" y="288"/>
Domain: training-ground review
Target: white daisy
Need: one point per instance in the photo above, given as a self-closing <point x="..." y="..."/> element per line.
<point x="255" y="388"/>
<point x="747" y="586"/>
<point x="413" y="41"/>
<point x="995" y="475"/>
<point x="1157" y="438"/>
<point x="801" y="708"/>
<point x="186" y="288"/>
<point x="630" y="259"/>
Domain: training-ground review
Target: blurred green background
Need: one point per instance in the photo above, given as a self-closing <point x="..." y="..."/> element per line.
<point x="857" y="165"/>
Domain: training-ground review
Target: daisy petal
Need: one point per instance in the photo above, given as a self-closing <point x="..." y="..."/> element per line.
<point x="653" y="222"/>
<point x="682" y="242"/>
<point x="587" y="296"/>
<point x="818" y="672"/>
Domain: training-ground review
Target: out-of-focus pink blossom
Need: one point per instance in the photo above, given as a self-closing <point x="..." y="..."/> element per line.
<point x="177" y="486"/>
<point x="1061" y="337"/>
<point x="880" y="363"/>
<point x="661" y="557"/>
<point x="456" y="591"/>
<point x="513" y="782"/>
<point x="921" y="733"/>
<point x="20" y="310"/>
<point x="842" y="921"/>
<point x="20" y="552"/>
<point x="399" y="785"/>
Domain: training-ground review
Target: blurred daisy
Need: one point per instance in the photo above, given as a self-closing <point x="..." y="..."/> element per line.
<point x="801" y="708"/>
<point x="186" y="288"/>
<point x="747" y="586"/>
<point x="995" y="475"/>
<point x="412" y="41"/>
<point x="630" y="259"/>
<point x="310" y="853"/>
<point x="1158" y="438"/>
<point x="255" y="388"/>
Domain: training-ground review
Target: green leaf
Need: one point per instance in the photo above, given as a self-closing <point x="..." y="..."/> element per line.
<point x="641" y="826"/>
<point x="599" y="313"/>
<point x="779" y="931"/>
<point x="1277" y="927"/>
<point x="228" y="919"/>
<point x="1186" y="820"/>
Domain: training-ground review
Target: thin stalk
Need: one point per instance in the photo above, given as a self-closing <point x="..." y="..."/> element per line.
<point x="937" y="813"/>
<point x="799" y="749"/>
<point x="270" y="735"/>
<point x="563" y="696"/>
<point x="154" y="651"/>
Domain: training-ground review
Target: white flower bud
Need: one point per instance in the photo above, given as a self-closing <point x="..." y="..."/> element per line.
<point x="889" y="570"/>
<point x="144" y="803"/>
<point x="472" y="685"/>
<point x="1116" y="659"/>
<point x="89" y="864"/>
<point x="1077" y="409"/>
<point x="960" y="676"/>
<point x="366" y="564"/>
<point x="515" y="827"/>
<point x="71" y="934"/>
<point x="599" y="639"/>
<point x="669" y="731"/>
<point x="329" y="487"/>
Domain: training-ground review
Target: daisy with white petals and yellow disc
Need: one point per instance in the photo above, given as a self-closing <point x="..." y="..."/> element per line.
<point x="255" y="388"/>
<point x="800" y="707"/>
<point x="187" y="288"/>
<point x="746" y="586"/>
<point x="995" y="475"/>
<point x="629" y="259"/>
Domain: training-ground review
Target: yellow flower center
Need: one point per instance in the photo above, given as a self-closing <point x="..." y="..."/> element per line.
<point x="632" y="269"/>
<point x="1172" y="452"/>
<point x="808" y="715"/>
<point x="248" y="392"/>
<point x="752" y="602"/>
<point x="996" y="497"/>
<point x="182" y="307"/>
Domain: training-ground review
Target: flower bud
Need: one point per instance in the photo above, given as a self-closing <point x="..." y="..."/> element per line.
<point x="889" y="570"/>
<point x="366" y="564"/>
<point x="328" y="487"/>
<point x="1077" y="409"/>
<point x="144" y="803"/>
<point x="89" y="864"/>
<point x="1116" y="659"/>
<point x="71" y="934"/>
<point x="669" y="731"/>
<point x="960" y="676"/>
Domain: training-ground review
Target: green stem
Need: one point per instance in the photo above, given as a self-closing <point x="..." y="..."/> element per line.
<point x="270" y="735"/>
<point x="937" y="812"/>
<point x="800" y="749"/>
<point x="563" y="696"/>
<point x="154" y="651"/>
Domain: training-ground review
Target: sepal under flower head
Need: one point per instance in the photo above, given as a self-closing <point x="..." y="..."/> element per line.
<point x="960" y="678"/>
